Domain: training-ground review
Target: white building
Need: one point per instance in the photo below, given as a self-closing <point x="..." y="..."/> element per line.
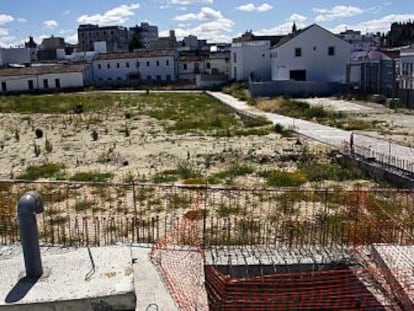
<point x="43" y="78"/>
<point x="140" y="65"/>
<point x="250" y="60"/>
<point x="407" y="68"/>
<point x="311" y="54"/>
<point x="360" y="42"/>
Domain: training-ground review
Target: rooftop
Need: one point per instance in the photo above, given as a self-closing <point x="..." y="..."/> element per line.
<point x="39" y="70"/>
<point x="137" y="54"/>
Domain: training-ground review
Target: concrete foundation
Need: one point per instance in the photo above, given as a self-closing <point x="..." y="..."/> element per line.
<point x="104" y="279"/>
<point x="396" y="264"/>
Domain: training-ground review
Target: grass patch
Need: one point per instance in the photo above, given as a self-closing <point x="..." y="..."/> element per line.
<point x="303" y="110"/>
<point x="327" y="171"/>
<point x="93" y="176"/>
<point x="179" y="201"/>
<point x="48" y="170"/>
<point x="278" y="178"/>
<point x="188" y="113"/>
<point x="83" y="206"/>
<point x="184" y="170"/>
<point x="224" y="210"/>
<point x="167" y="176"/>
<point x="238" y="90"/>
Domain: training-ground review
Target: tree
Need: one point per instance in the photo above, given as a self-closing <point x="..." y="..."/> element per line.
<point x="135" y="42"/>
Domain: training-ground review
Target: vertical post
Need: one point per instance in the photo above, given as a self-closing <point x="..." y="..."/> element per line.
<point x="28" y="206"/>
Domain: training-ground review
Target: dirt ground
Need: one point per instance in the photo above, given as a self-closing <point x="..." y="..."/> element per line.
<point x="148" y="149"/>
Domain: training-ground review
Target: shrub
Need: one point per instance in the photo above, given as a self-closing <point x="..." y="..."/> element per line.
<point x="284" y="179"/>
<point x="91" y="176"/>
<point x="48" y="170"/>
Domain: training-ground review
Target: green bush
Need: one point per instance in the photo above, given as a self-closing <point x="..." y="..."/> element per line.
<point x="284" y="179"/>
<point x="48" y="170"/>
<point x="93" y="176"/>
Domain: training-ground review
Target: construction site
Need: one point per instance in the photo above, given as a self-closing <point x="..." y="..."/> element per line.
<point x="246" y="211"/>
<point x="242" y="249"/>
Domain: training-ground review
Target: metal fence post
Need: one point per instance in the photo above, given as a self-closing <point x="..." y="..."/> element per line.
<point x="28" y="206"/>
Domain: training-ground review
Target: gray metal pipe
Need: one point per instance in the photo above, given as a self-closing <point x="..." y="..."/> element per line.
<point x="28" y="206"/>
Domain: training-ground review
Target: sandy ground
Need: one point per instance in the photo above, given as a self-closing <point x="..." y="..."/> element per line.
<point x="147" y="150"/>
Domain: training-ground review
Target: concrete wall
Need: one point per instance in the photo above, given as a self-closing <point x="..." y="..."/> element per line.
<point x="210" y="81"/>
<point x="406" y="97"/>
<point x="314" y="44"/>
<point x="15" y="56"/>
<point x="250" y="59"/>
<point x="121" y="69"/>
<point x="377" y="172"/>
<point x="295" y="88"/>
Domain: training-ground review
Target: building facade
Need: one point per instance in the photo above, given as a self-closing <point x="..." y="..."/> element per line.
<point x="311" y="54"/>
<point x="144" y="65"/>
<point x="406" y="77"/>
<point x="250" y="60"/>
<point x="146" y="33"/>
<point x="360" y="42"/>
<point x="43" y="78"/>
<point x="116" y="37"/>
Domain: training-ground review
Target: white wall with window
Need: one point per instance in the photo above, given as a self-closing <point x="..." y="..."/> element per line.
<point x="42" y="79"/>
<point x="133" y="66"/>
<point x="407" y="68"/>
<point x="250" y="60"/>
<point x="311" y="54"/>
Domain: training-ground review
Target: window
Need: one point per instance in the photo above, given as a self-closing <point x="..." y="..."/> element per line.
<point x="127" y="64"/>
<point x="167" y="62"/>
<point x="168" y="77"/>
<point x="148" y="77"/>
<point x="298" y="52"/>
<point x="148" y="64"/>
<point x="45" y="83"/>
<point x="158" y="78"/>
<point x="158" y="63"/>
<point x="108" y="66"/>
<point x="30" y="84"/>
<point x="109" y="79"/>
<point x="138" y="64"/>
<point x="99" y="66"/>
<point x="57" y="83"/>
<point x="185" y="66"/>
<point x="331" y="50"/>
<point x="208" y="65"/>
<point x="119" y="78"/>
<point x="4" y="86"/>
<point x="117" y="65"/>
<point x="235" y="57"/>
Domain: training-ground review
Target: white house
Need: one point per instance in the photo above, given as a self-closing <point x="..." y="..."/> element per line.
<point x="43" y="78"/>
<point x="407" y="68"/>
<point x="310" y="54"/>
<point x="140" y="65"/>
<point x="250" y="60"/>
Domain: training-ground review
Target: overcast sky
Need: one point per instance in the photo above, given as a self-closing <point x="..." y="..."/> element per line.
<point x="215" y="20"/>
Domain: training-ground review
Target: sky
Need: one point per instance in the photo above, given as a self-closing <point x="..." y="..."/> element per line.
<point x="214" y="20"/>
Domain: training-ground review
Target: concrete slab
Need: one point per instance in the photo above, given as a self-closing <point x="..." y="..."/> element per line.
<point x="396" y="264"/>
<point x="150" y="290"/>
<point x="70" y="282"/>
